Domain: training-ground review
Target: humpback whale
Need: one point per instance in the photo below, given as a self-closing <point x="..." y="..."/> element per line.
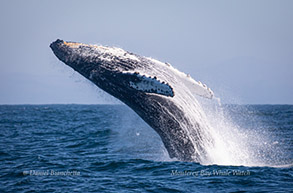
<point x="160" y="94"/>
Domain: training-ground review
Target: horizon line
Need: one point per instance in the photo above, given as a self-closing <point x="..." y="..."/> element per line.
<point x="15" y="104"/>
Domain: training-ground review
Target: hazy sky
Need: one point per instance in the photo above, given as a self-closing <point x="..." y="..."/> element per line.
<point x="243" y="50"/>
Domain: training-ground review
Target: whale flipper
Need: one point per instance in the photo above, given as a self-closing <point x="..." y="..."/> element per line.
<point x="149" y="84"/>
<point x="198" y="88"/>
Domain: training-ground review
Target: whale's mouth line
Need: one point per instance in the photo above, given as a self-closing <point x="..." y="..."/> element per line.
<point x="74" y="44"/>
<point x="77" y="44"/>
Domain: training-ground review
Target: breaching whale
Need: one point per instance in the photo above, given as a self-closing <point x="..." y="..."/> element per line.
<point x="160" y="94"/>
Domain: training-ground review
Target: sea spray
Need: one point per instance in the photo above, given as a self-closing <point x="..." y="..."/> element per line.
<point x="240" y="137"/>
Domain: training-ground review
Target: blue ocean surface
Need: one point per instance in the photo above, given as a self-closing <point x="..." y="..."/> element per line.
<point x="108" y="148"/>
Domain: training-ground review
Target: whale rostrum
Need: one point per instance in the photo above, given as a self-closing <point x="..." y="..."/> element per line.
<point x="156" y="91"/>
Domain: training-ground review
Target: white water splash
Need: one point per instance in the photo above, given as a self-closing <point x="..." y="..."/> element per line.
<point x="230" y="145"/>
<point x="247" y="144"/>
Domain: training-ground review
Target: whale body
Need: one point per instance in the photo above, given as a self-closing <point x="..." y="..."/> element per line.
<point x="160" y="94"/>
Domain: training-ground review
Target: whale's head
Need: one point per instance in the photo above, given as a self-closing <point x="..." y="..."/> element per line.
<point x="122" y="74"/>
<point x="110" y="68"/>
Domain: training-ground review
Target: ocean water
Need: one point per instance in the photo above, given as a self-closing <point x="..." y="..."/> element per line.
<point x="108" y="148"/>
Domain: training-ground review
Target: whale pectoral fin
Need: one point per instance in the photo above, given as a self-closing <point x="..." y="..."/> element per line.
<point x="197" y="88"/>
<point x="153" y="86"/>
<point x="150" y="85"/>
<point x="202" y="90"/>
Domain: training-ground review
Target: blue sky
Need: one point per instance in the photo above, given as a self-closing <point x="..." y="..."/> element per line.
<point x="243" y="50"/>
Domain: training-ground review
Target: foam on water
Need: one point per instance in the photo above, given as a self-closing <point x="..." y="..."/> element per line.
<point x="230" y="144"/>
